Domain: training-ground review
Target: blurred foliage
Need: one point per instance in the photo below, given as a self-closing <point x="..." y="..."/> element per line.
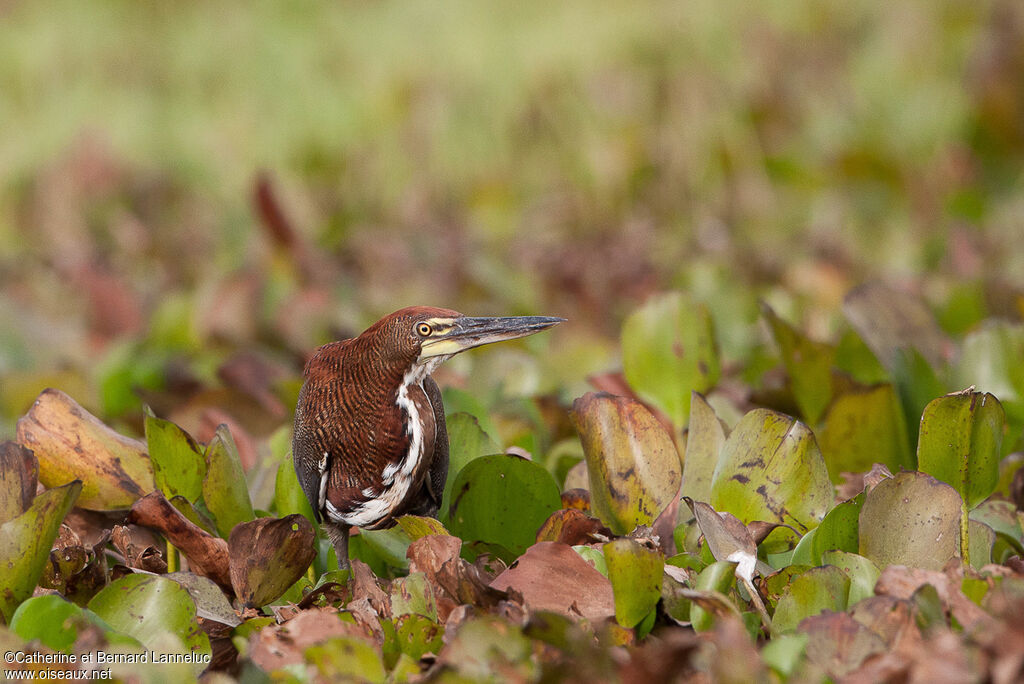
<point x="782" y="235"/>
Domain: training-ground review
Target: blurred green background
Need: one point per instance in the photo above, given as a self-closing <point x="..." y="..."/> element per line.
<point x="183" y="185"/>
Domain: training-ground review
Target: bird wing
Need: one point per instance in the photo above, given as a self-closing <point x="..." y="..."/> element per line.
<point x="309" y="468"/>
<point x="438" y="469"/>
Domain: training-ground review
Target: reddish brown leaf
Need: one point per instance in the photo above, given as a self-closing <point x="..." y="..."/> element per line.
<point x="839" y="644"/>
<point x="572" y="526"/>
<point x="278" y="646"/>
<point x="551" y="576"/>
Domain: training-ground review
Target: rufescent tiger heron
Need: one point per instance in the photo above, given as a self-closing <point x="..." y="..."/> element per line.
<point x="370" y="439"/>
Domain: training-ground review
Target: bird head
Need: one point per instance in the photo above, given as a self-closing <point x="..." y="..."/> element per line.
<point x="421" y="336"/>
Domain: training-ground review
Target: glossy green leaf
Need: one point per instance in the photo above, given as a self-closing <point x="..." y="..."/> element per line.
<point x="784" y="653"/>
<point x="267" y="556"/>
<point x="178" y="462"/>
<point x="502" y="499"/>
<point x="668" y="351"/>
<point x="863" y="427"/>
<point x="818" y="589"/>
<point x="148" y="607"/>
<point x="225" y="490"/>
<point x="960" y="441"/>
<point x="635" y="573"/>
<point x="717" y="578"/>
<point x="467" y="441"/>
<point x="458" y="401"/>
<point x="288" y="495"/>
<point x="771" y="470"/>
<point x="25" y="544"/>
<point x="910" y="519"/>
<point x="839" y="530"/>
<point x="808" y="364"/>
<point x="54" y="621"/>
<point x="704" y="442"/>
<point x="70" y="443"/>
<point x="862" y="572"/>
<point x="632" y="462"/>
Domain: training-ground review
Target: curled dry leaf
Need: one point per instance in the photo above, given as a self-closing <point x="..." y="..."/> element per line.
<point x="268" y="555"/>
<point x="572" y="526"/>
<point x="207" y="555"/>
<point x="901" y="582"/>
<point x="19" y="474"/>
<point x="71" y="443"/>
<point x="551" y="576"/>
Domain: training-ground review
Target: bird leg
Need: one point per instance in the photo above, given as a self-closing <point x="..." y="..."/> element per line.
<point x="338" y="534"/>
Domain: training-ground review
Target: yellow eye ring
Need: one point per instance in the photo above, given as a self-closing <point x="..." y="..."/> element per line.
<point x="424" y="329"/>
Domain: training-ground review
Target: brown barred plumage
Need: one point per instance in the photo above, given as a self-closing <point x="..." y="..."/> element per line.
<point x="370" y="440"/>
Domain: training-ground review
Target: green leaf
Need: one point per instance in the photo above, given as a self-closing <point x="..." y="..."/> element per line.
<point x="268" y="555"/>
<point x="54" y="621"/>
<point x="862" y="572"/>
<point x="717" y="578"/>
<point x="416" y="526"/>
<point x="668" y="351"/>
<point x="632" y="463"/>
<point x="178" y="462"/>
<point x="288" y="495"/>
<point x="960" y="441"/>
<point x="838" y="530"/>
<point x="225" y="490"/>
<point x="771" y="470"/>
<point x="413" y="594"/>
<point x="910" y="519"/>
<point x="982" y="539"/>
<point x="467" y="441"/>
<point x="818" y="589"/>
<point x="863" y="427"/>
<point x="502" y="499"/>
<point x="25" y="544"/>
<point x="460" y="402"/>
<point x="808" y="364"/>
<point x="148" y="607"/>
<point x="418" y="635"/>
<point x="70" y="443"/>
<point x="704" y="443"/>
<point x="347" y="659"/>
<point x="635" y="573"/>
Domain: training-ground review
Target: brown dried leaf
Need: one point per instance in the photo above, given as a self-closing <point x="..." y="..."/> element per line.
<point x="19" y="476"/>
<point x="207" y="555"/>
<point x="838" y="643"/>
<point x="901" y="582"/>
<point x="572" y="526"/>
<point x="551" y="576"/>
<point x="268" y="555"/>
<point x="278" y="646"/>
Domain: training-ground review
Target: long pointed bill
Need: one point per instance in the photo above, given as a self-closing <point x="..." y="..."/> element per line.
<point x="467" y="332"/>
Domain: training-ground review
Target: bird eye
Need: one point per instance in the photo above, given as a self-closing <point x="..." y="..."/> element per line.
<point x="423" y="329"/>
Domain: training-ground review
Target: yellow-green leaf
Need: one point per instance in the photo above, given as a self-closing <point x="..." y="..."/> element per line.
<point x="632" y="463"/>
<point x="70" y="443"/>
